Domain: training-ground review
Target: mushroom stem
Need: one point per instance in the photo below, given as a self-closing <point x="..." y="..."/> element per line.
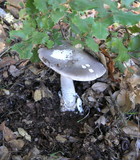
<point x="69" y="95"/>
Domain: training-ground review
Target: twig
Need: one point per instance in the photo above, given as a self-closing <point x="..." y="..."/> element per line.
<point x="3" y="52"/>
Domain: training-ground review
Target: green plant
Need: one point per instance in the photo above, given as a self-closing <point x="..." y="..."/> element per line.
<point x="40" y="19"/>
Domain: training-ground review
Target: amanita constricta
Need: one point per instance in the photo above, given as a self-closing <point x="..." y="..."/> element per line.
<point x="72" y="64"/>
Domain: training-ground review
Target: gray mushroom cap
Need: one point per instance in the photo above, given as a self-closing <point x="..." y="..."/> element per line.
<point x="72" y="62"/>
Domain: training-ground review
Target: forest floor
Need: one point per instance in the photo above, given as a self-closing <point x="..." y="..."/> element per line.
<point x="33" y="128"/>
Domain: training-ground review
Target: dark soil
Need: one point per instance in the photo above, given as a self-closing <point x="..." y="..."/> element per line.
<point x="69" y="135"/>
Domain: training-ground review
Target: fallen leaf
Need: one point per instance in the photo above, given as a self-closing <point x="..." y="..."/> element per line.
<point x="2" y="46"/>
<point x="2" y="33"/>
<point x="61" y="138"/>
<point x="110" y="64"/>
<point x="16" y="157"/>
<point x="34" y="70"/>
<point x="99" y="86"/>
<point x="24" y="134"/>
<point x="16" y="144"/>
<point x="132" y="129"/>
<point x="32" y="154"/>
<point x="87" y="129"/>
<point x="14" y="71"/>
<point x="6" y="61"/>
<point x="15" y="3"/>
<point x="14" y="11"/>
<point x="6" y="92"/>
<point x="4" y="153"/>
<point x="138" y="144"/>
<point x="37" y="95"/>
<point x="5" y="74"/>
<point x="129" y="94"/>
<point x="8" y="134"/>
<point x="123" y="101"/>
<point x="101" y="120"/>
<point x="46" y="92"/>
<point x="130" y="156"/>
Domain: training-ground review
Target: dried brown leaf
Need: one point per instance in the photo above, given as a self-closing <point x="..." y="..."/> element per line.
<point x="16" y="144"/>
<point x="8" y="134"/>
<point x="132" y="129"/>
<point x="4" y="153"/>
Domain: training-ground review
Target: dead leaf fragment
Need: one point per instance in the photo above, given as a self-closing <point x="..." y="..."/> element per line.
<point x="14" y="11"/>
<point x="14" y="71"/>
<point x="15" y="3"/>
<point x="131" y="129"/>
<point x="5" y="74"/>
<point x="123" y="101"/>
<point x="24" y="134"/>
<point x="6" y="92"/>
<point x="6" y="61"/>
<point x="17" y="157"/>
<point x="34" y="70"/>
<point x="2" y="33"/>
<point x="101" y="120"/>
<point x="61" y="138"/>
<point x="8" y="134"/>
<point x="42" y="93"/>
<point x="99" y="86"/>
<point x="4" y="153"/>
<point x="16" y="144"/>
<point x="2" y="46"/>
<point x="130" y="156"/>
<point x="129" y="94"/>
<point x="33" y="154"/>
<point x="2" y="39"/>
<point x="37" y="95"/>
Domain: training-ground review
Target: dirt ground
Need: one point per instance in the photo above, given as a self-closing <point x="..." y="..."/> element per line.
<point x="49" y="133"/>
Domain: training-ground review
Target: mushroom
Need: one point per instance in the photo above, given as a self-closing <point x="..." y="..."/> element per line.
<point x="72" y="64"/>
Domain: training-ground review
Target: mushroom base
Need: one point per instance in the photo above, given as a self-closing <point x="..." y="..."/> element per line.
<point x="70" y="101"/>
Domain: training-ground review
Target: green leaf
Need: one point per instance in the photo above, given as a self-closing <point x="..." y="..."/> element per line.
<point x="41" y="5"/>
<point x="23" y="49"/>
<point x="136" y="55"/>
<point x="56" y="37"/>
<point x="134" y="29"/>
<point x="99" y="30"/>
<point x="56" y="3"/>
<point x="35" y="57"/>
<point x="22" y="13"/>
<point x="23" y="33"/>
<point x="50" y="44"/>
<point x="91" y="44"/>
<point x="103" y="12"/>
<point x="134" y="44"/>
<point x="105" y="19"/>
<point x="57" y="15"/>
<point x="29" y="27"/>
<point x="126" y="18"/>
<point x="116" y="45"/>
<point x="18" y="33"/>
<point x="39" y="37"/>
<point x="127" y="3"/>
<point x="44" y="22"/>
<point x="84" y="25"/>
<point x="30" y="8"/>
<point x="120" y="65"/>
<point x="76" y="41"/>
<point x="81" y="5"/>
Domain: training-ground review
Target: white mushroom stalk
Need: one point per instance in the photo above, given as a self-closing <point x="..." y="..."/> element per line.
<point x="69" y="100"/>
